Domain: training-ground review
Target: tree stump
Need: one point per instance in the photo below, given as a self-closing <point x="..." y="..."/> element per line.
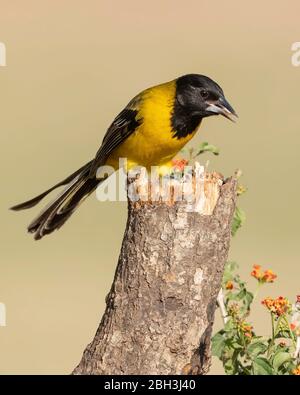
<point x="160" y="309"/>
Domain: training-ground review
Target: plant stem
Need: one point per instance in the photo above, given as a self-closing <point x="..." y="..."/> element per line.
<point x="273" y="336"/>
<point x="290" y="331"/>
<point x="297" y="351"/>
<point x="273" y="329"/>
<point x="256" y="291"/>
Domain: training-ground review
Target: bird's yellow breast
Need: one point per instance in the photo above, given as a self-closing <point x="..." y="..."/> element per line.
<point x="153" y="142"/>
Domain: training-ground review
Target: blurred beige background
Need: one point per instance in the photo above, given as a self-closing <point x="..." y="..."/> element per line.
<point x="71" y="67"/>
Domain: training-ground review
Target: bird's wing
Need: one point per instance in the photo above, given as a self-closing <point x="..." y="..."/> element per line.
<point x="121" y="128"/>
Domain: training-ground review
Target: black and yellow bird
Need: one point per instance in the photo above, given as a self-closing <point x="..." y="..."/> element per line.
<point x="150" y="131"/>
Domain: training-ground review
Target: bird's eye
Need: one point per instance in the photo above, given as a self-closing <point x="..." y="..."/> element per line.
<point x="204" y="93"/>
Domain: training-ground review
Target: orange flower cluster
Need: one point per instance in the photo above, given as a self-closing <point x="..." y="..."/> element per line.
<point x="267" y="276"/>
<point x="278" y="306"/>
<point x="233" y="310"/>
<point x="296" y="371"/>
<point x="229" y="285"/>
<point x="246" y="329"/>
<point x="295" y="328"/>
<point x="179" y="164"/>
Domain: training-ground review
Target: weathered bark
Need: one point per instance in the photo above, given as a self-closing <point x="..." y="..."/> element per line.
<point x="160" y="309"/>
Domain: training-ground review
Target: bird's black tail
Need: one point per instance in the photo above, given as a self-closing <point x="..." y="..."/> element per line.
<point x="54" y="215"/>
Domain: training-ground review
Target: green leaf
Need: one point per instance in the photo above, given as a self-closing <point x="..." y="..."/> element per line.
<point x="261" y="366"/>
<point x="218" y="343"/>
<point x="241" y="295"/>
<point x="256" y="348"/>
<point x="231" y="266"/>
<point x="239" y="217"/>
<point x="248" y="298"/>
<point x="233" y="343"/>
<point x="229" y="367"/>
<point x="284" y="334"/>
<point x="229" y="326"/>
<point x="232" y="296"/>
<point x="205" y="147"/>
<point x="236" y="345"/>
<point x="229" y="270"/>
<point x="231" y="364"/>
<point x="281" y="358"/>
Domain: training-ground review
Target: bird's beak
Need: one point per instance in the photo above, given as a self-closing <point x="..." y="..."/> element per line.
<point x="222" y="107"/>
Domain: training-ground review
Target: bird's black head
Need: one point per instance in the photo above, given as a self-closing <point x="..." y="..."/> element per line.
<point x="197" y="97"/>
